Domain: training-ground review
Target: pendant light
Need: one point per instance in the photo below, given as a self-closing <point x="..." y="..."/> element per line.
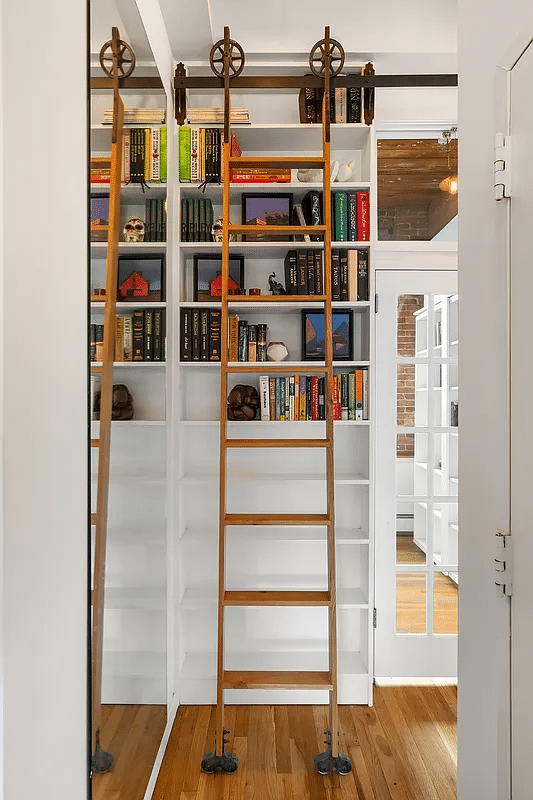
<point x="450" y="184"/>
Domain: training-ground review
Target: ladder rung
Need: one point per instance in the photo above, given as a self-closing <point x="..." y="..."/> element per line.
<point x="277" y="162"/>
<point x="95" y="442"/>
<point x="96" y="368"/>
<point x="278" y="443"/>
<point x="277" y="519"/>
<point x="277" y="598"/>
<point x="271" y="366"/>
<point x="245" y="679"/>
<point x="267" y="230"/>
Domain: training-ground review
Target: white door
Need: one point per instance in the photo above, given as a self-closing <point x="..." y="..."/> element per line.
<point x="416" y="475"/>
<point x="521" y="128"/>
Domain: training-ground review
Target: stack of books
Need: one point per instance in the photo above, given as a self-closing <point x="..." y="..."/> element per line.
<point x="203" y="116"/>
<point x="137" y="116"/>
<point x="302" y="398"/>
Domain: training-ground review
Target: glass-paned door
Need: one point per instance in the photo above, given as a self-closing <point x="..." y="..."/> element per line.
<point x="416" y="536"/>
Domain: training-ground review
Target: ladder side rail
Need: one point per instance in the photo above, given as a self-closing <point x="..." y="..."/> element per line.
<point x="226" y="150"/>
<point x="106" y="404"/>
<point x="330" y="454"/>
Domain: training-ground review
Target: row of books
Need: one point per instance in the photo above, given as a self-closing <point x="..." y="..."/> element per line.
<point x="139" y="336"/>
<point x="350" y="214"/>
<point x="196" y="219"/>
<point x="346" y="104"/>
<point x="303" y="397"/>
<point x="200" y="159"/>
<point x="349" y="273"/>
<point x="200" y="334"/>
<point x="155" y="220"/>
<point x="247" y="342"/>
<point x="144" y="157"/>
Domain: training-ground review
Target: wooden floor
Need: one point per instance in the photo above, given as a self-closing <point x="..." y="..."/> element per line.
<point x="132" y="735"/>
<point x="402" y="748"/>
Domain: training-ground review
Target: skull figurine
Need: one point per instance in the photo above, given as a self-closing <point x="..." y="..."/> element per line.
<point x="216" y="230"/>
<point x="134" y="230"/>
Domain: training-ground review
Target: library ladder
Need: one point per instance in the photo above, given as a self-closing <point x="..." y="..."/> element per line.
<point x="102" y="760"/>
<point x="220" y="758"/>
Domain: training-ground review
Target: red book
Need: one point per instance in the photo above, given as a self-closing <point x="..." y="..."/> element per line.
<point x="363" y="217"/>
<point x="314" y="396"/>
<point x="337" y="409"/>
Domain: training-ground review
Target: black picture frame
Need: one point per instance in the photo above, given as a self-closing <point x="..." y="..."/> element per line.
<point x="151" y="269"/>
<point x="99" y="222"/>
<point x="342" y="326"/>
<point x="276" y="206"/>
<point x="207" y="268"/>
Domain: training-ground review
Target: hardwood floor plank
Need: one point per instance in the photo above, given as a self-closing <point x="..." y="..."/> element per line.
<point x="401" y="749"/>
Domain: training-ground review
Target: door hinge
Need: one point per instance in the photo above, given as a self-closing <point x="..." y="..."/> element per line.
<point x="503" y="564"/>
<point x="502" y="166"/>
<point x="375" y="618"/>
<point x="376" y="303"/>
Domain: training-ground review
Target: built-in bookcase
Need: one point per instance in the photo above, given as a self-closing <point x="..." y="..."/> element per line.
<point x="135" y="616"/>
<point x="270" y="480"/>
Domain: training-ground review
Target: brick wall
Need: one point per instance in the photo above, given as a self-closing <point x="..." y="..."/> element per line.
<point x="404" y="224"/>
<point x="405" y="398"/>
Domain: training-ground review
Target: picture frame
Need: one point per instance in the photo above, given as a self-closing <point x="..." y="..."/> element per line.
<point x="266" y="208"/>
<point x="141" y="279"/>
<point x="207" y="269"/>
<point x="313" y="348"/>
<point x="99" y="221"/>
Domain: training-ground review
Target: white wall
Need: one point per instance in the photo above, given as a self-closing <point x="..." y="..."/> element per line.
<point x="44" y="634"/>
<point x="486" y="29"/>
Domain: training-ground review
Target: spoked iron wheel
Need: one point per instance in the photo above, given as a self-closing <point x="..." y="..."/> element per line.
<point x="125" y="59"/>
<point x="317" y="58"/>
<point x="236" y="58"/>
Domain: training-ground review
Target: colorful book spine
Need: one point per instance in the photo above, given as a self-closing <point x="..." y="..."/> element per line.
<point x="358" y="394"/>
<point x="147" y="154"/>
<point x="149" y="335"/>
<point x="243" y="340"/>
<point x="272" y="398"/>
<point x="195" y="131"/>
<point x="343" y="269"/>
<point x="128" y="337"/>
<point x="138" y="336"/>
<point x="352" y="216"/>
<point x="234" y="338"/>
<point x="204" y="334"/>
<point x="159" y="332"/>
<point x="363" y="216"/>
<point x="163" y="153"/>
<point x="184" y="145"/>
<point x="340" y="232"/>
<point x="351" y="395"/>
<point x="156" y="155"/>
<point x="215" y="316"/>
<point x="119" y="339"/>
<point x="195" y="335"/>
<point x="126" y="159"/>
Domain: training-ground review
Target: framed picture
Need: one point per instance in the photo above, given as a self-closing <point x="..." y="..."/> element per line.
<point x="274" y="208"/>
<point x="99" y="217"/>
<point x="141" y="279"/>
<point x="208" y="277"/>
<point x="313" y="337"/>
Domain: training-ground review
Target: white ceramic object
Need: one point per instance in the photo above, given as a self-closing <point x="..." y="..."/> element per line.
<point x="334" y="171"/>
<point x="134" y="230"/>
<point x="345" y="172"/>
<point x="309" y="175"/>
<point x="276" y="351"/>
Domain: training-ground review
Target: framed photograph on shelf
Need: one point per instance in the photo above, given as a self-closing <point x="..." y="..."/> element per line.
<point x="207" y="279"/>
<point x="313" y="335"/>
<point x="99" y="217"/>
<point x="274" y="208"/>
<point x="141" y="279"/>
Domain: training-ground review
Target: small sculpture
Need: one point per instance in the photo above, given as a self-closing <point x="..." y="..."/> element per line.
<point x="276" y="351"/>
<point x="216" y="231"/>
<point x="134" y="230"/>
<point x="309" y="175"/>
<point x="243" y="402"/>
<point x="275" y="286"/>
<point x="122" y="403"/>
<point x="345" y="172"/>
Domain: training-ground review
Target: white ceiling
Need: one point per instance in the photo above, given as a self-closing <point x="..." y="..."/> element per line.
<point x="366" y="29"/>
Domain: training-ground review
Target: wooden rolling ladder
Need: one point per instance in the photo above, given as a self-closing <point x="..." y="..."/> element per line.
<point x="102" y="760"/>
<point x="220" y="758"/>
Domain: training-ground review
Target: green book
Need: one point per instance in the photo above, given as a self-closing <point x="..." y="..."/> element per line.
<point x="351" y="395"/>
<point x="184" y="149"/>
<point x="163" y="154"/>
<point x="341" y="216"/>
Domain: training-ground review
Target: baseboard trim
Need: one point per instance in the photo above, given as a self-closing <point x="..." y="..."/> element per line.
<point x="416" y="681"/>
<point x="161" y="752"/>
